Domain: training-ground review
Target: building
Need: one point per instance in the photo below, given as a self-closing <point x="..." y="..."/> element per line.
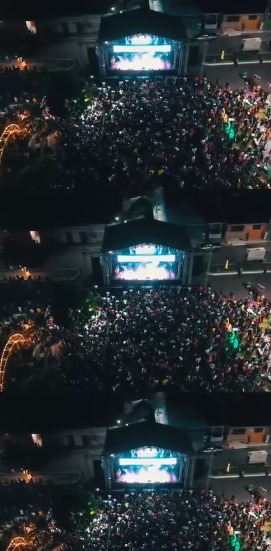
<point x="239" y="421"/>
<point x="248" y="435"/>
<point x="211" y="16"/>
<point x="69" y="33"/>
<point x="86" y="442"/>
<point x="246" y="232"/>
<point x="241" y="16"/>
<point x="81" y="234"/>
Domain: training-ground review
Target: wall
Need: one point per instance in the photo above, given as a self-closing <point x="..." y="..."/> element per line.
<point x="73" y="439"/>
<point x="69" y="37"/>
<point x="247" y="232"/>
<point x="75" y="450"/>
<point x="80" y="461"/>
<point x="243" y="22"/>
<point x="216" y="434"/>
<point x="89" y="235"/>
<point x="249" y="432"/>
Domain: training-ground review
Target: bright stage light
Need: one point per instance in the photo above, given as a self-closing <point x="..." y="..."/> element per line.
<point x="148" y="475"/>
<point x="140" y="48"/>
<point x="123" y="258"/>
<point x="141" y="39"/>
<point x="158" y="462"/>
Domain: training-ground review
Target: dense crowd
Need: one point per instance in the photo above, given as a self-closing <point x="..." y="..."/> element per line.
<point x="171" y="132"/>
<point x="177" y="338"/>
<point x="134" y="135"/>
<point x="152" y="520"/>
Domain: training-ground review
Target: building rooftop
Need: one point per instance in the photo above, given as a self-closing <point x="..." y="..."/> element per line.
<point x="237" y="7"/>
<point x="28" y="9"/>
<point x="61" y="412"/>
<point x="232" y="207"/>
<point x="237" y="411"/>
<point x="55" y="209"/>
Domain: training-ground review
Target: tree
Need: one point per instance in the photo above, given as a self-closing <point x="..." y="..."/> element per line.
<point x="60" y="89"/>
<point x="71" y="499"/>
<point x="67" y="297"/>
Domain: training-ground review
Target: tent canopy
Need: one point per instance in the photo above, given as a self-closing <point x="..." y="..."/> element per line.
<point x="136" y="232"/>
<point x="138" y="435"/>
<point x="128" y="23"/>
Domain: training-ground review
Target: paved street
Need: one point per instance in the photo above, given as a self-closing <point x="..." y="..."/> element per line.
<point x="234" y="43"/>
<point x="236" y="283"/>
<point x="238" y="486"/>
<point x="231" y="74"/>
<point x="238" y="457"/>
<point x="237" y="254"/>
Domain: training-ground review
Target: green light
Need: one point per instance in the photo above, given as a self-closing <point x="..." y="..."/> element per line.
<point x="234" y="341"/>
<point x="234" y="543"/>
<point x="229" y="130"/>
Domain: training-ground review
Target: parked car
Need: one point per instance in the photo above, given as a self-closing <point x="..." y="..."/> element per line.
<point x="210" y="246"/>
<point x="211" y="450"/>
<point x="207" y="36"/>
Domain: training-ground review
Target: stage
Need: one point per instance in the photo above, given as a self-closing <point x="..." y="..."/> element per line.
<point x="142" y="54"/>
<point x="147" y="465"/>
<point x="144" y="252"/>
<point x="141" y="42"/>
<point x="146" y="454"/>
<point x="145" y="262"/>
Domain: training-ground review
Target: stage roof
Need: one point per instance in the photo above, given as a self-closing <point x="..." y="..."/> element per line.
<point x="128" y="23"/>
<point x="121" y="236"/>
<point x="138" y="435"/>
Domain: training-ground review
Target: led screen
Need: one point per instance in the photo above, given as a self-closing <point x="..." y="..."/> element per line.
<point x="145" y="262"/>
<point x="141" y="53"/>
<point x="164" y="48"/>
<point x="148" y="465"/>
<point x="158" y="462"/>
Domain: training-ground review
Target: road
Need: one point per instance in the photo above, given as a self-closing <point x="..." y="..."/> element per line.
<point x="231" y="74"/>
<point x="232" y="44"/>
<point x="238" y="487"/>
<point x="238" y="457"/>
<point x="236" y="284"/>
<point x="236" y="254"/>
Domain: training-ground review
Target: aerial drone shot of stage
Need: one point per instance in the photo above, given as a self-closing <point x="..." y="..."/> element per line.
<point x="141" y="42"/>
<point x="146" y="453"/>
<point x="145" y="251"/>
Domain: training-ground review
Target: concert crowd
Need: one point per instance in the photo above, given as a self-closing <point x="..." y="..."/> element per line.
<point x="184" y="339"/>
<point x="178" y="519"/>
<point x="132" y="136"/>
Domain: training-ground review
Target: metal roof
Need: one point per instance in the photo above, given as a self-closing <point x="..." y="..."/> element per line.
<point x="137" y="435"/>
<point x="121" y="236"/>
<point x="128" y="23"/>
